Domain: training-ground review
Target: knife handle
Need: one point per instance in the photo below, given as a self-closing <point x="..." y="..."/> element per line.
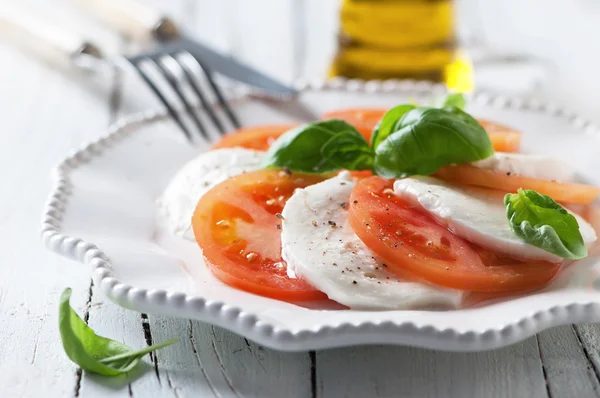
<point x="48" y="40"/>
<point x="131" y="18"/>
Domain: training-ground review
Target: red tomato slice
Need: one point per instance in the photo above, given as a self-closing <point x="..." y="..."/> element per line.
<point x="559" y="191"/>
<point x="361" y="174"/>
<point x="259" y="138"/>
<point x="363" y="119"/>
<point x="410" y="240"/>
<point x="236" y="225"/>
<point x="504" y="138"/>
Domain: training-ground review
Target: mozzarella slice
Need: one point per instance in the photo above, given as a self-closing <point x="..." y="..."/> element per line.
<point x="178" y="201"/>
<point x="319" y="245"/>
<point x="476" y="215"/>
<point x="527" y="165"/>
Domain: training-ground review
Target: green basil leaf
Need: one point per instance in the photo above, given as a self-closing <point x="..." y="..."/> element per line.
<point x="300" y="149"/>
<point x="543" y="223"/>
<point x="348" y="150"/>
<point x="464" y="117"/>
<point x="389" y="124"/>
<point x="430" y="138"/>
<point x="95" y="353"/>
<point x="456" y="100"/>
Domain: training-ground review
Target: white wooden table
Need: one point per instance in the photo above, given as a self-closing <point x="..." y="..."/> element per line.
<point x="44" y="113"/>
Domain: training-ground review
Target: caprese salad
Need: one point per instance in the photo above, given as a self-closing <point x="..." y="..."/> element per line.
<point x="402" y="208"/>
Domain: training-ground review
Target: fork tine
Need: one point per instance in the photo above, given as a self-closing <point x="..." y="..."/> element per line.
<point x="218" y="94"/>
<point x="172" y="112"/>
<point x="170" y="68"/>
<point x="188" y="64"/>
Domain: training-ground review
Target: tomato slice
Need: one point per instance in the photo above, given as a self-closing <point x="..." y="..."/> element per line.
<point x="411" y="241"/>
<point x="559" y="191"/>
<point x="364" y="119"/>
<point x="236" y="225"/>
<point x="361" y="174"/>
<point x="259" y="138"/>
<point x="504" y="138"/>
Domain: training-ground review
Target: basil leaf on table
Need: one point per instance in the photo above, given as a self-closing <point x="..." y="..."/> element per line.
<point x="300" y="149"/>
<point x="95" y="353"/>
<point x="429" y="138"/>
<point x="348" y="150"/>
<point x="389" y="123"/>
<point x="541" y="222"/>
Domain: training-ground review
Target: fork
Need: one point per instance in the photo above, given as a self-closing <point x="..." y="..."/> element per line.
<point x="177" y="67"/>
<point x="180" y="69"/>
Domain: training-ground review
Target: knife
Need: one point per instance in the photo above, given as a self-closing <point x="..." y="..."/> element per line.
<point x="139" y="21"/>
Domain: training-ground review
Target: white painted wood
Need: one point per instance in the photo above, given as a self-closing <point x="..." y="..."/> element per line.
<point x="51" y="39"/>
<point x="110" y="320"/>
<point x="263" y="35"/>
<point x="568" y="370"/>
<point x="212" y="361"/>
<point x="257" y="32"/>
<point x="208" y="20"/>
<point x="183" y="366"/>
<point x="408" y="372"/>
<point x="254" y="371"/>
<point x="589" y="337"/>
<point x="130" y="17"/>
<point x="321" y="29"/>
<point x="39" y="103"/>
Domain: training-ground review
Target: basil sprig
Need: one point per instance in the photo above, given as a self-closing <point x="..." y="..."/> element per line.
<point x="541" y="222"/>
<point x="408" y="140"/>
<point x="95" y="353"/>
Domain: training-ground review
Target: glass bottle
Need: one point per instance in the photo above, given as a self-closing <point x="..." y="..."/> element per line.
<point x="412" y="39"/>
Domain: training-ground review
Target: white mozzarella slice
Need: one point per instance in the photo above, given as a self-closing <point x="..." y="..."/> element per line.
<point x="319" y="245"/>
<point x="178" y="201"/>
<point x="527" y="165"/>
<point x="476" y="215"/>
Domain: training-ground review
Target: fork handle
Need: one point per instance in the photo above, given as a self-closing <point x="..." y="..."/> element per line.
<point x="131" y="18"/>
<point x="49" y="40"/>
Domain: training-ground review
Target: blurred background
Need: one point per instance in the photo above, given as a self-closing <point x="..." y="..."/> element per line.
<point x="547" y="49"/>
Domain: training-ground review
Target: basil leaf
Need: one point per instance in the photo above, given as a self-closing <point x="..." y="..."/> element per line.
<point x="300" y="149"/>
<point x="95" y="353"/>
<point x="543" y="223"/>
<point x="348" y="150"/>
<point x="389" y="124"/>
<point x="429" y="138"/>
<point x="391" y="121"/>
<point x="456" y="100"/>
<point x="464" y="117"/>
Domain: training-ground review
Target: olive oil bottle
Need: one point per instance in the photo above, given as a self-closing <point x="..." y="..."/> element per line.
<point x="413" y="39"/>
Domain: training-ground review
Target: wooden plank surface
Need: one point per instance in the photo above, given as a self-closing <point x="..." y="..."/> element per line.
<point x="567" y="367"/>
<point x="210" y="360"/>
<point x="409" y="372"/>
<point x="44" y="114"/>
<point x="110" y="320"/>
<point x="56" y="112"/>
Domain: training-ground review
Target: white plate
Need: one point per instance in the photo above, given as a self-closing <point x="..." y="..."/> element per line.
<point x="102" y="213"/>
